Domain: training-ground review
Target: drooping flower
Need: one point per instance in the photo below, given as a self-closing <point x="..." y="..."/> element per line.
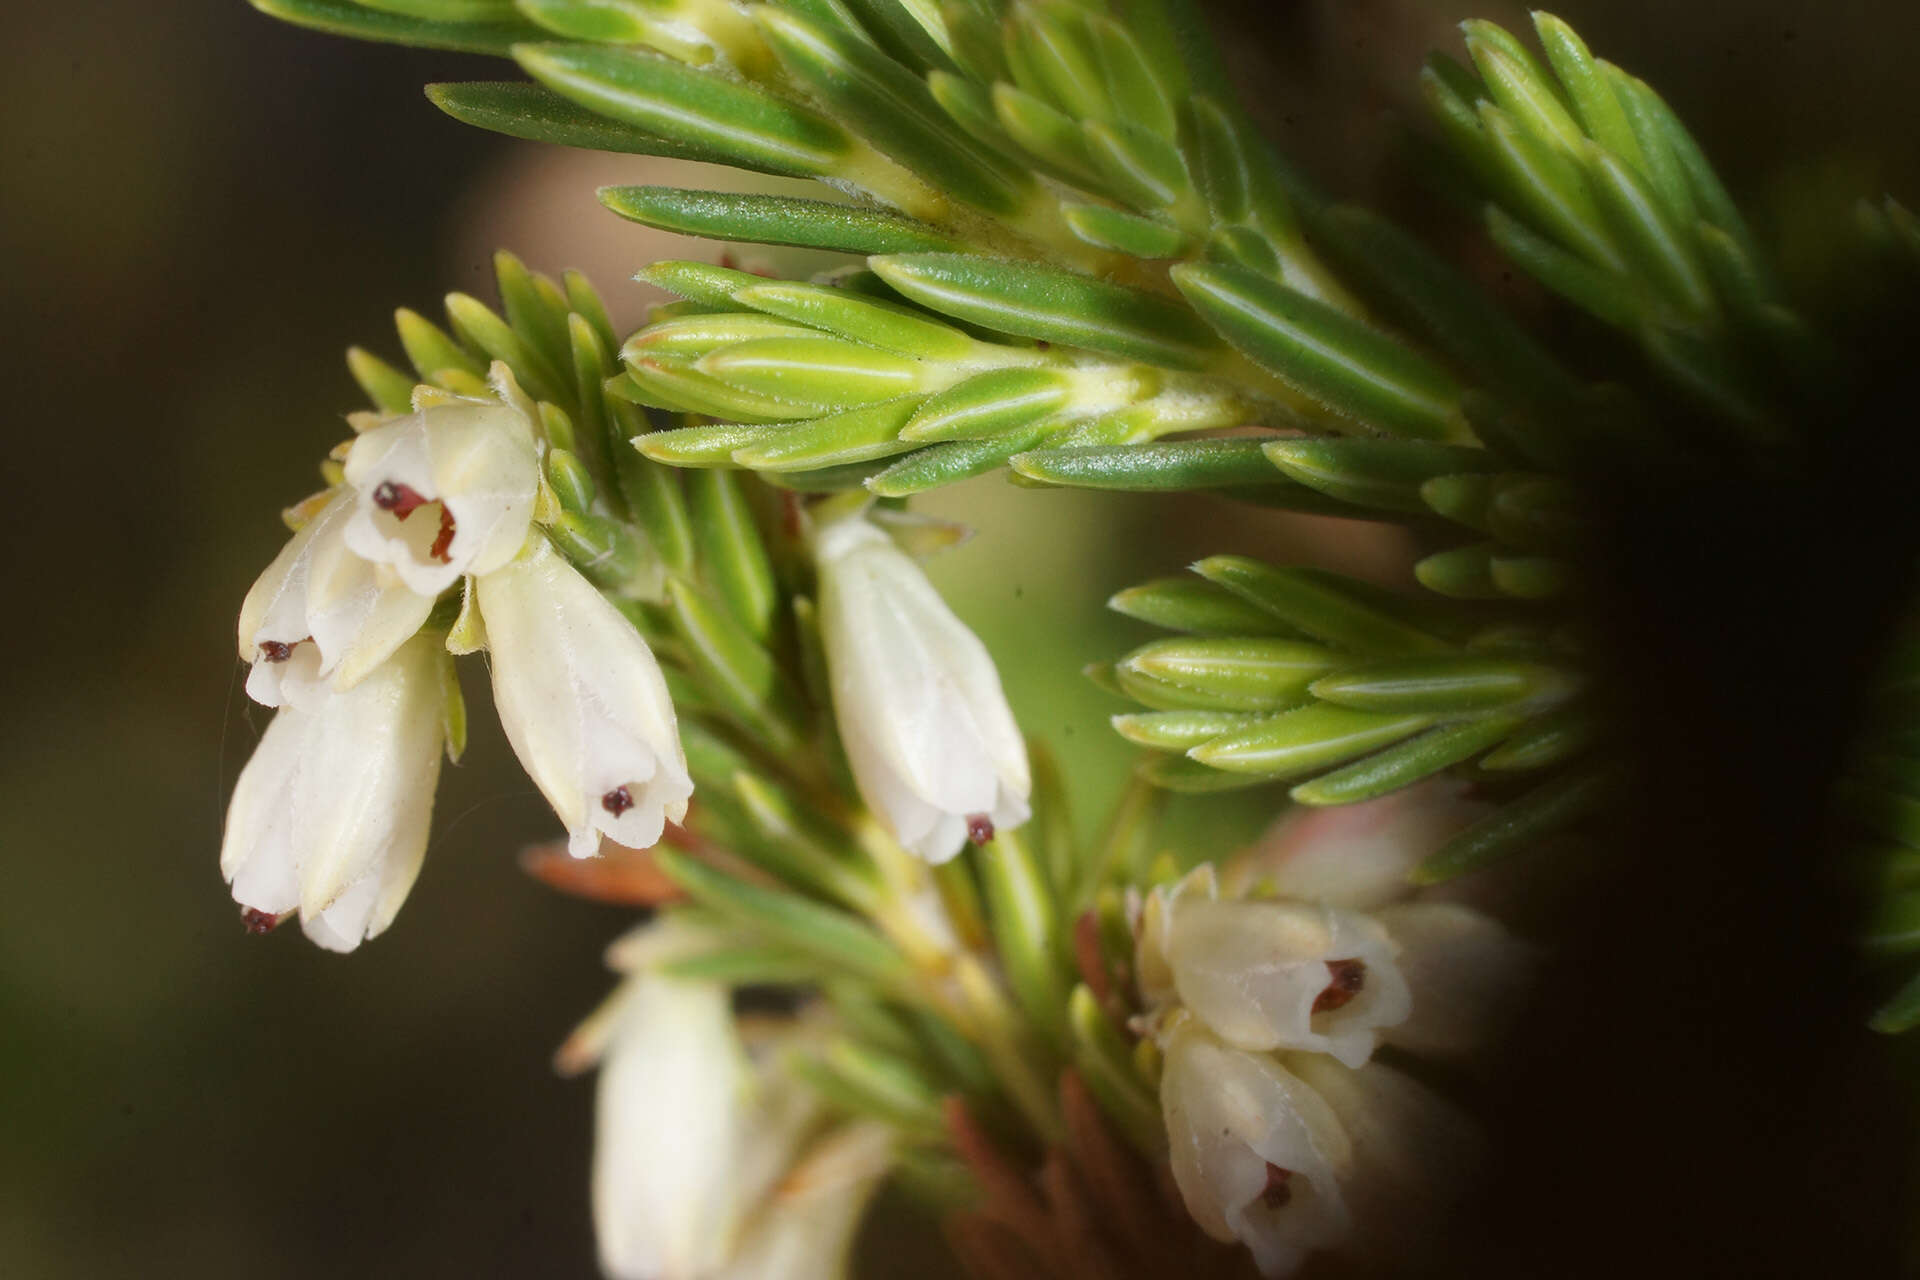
<point x="1286" y="975"/>
<point x="1412" y="1156"/>
<point x="690" y="1132"/>
<point x="448" y="489"/>
<point x="319" y="596"/>
<point x="1465" y="972"/>
<point x="933" y="746"/>
<point x="330" y="816"/>
<point x="1256" y="1153"/>
<point x="1269" y="973"/>
<point x="583" y="703"/>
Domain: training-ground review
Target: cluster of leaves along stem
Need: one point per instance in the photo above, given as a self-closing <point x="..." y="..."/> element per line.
<point x="1067" y="256"/>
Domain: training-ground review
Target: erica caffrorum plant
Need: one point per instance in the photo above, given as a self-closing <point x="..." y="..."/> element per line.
<point x="873" y="949"/>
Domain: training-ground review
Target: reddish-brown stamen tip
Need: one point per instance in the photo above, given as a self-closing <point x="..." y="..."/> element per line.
<point x="444" y="539"/>
<point x="259" y="921"/>
<point x="617" y="801"/>
<point x="979" y="828"/>
<point x="1279" y="1188"/>
<point x="276" y="650"/>
<point x="1346" y="977"/>
<point x="399" y="499"/>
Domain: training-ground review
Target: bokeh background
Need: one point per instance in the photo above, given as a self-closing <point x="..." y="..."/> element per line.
<point x="199" y="210"/>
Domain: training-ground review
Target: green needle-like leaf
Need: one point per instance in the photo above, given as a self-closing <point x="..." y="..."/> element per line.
<point x="941" y="464"/>
<point x="744" y="125"/>
<point x="732" y="555"/>
<point x="1307" y="740"/>
<point x="816" y="370"/>
<point x="1020" y="911"/>
<point x="886" y="325"/>
<point x="1237" y="466"/>
<point x="346" y="18"/>
<point x="1335" y="612"/>
<point x="838" y="440"/>
<point x="1445" y="685"/>
<point x="1552" y="739"/>
<point x="390" y="390"/>
<point x="1405" y="764"/>
<point x="1351" y="368"/>
<point x="893" y="109"/>
<point x="833" y="937"/>
<point x="1539" y="815"/>
<point x="1196" y="606"/>
<point x="1374" y="473"/>
<point x="1179" y="730"/>
<point x="538" y="114"/>
<point x="1598" y="107"/>
<point x="990" y="404"/>
<point x="1222" y="673"/>
<point x="1126" y="233"/>
<point x="740" y="673"/>
<point x="1035" y="301"/>
<point x="1101" y="1056"/>
<point x="756" y="219"/>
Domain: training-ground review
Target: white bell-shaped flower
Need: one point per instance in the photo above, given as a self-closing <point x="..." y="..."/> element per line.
<point x="583" y="703"/>
<point x="1466" y="974"/>
<point x="670" y="1120"/>
<point x="694" y="1126"/>
<point x="804" y="1229"/>
<point x="1414" y="1156"/>
<point x="448" y="489"/>
<point x="1256" y="1153"/>
<point x="1152" y="916"/>
<point x="1286" y="975"/>
<point x="927" y="730"/>
<point x="330" y="816"/>
<point x="317" y="593"/>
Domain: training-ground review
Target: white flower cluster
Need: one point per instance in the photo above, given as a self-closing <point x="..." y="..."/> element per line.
<point x="330" y="816"/>
<point x="711" y="1161"/>
<point x="1284" y="1133"/>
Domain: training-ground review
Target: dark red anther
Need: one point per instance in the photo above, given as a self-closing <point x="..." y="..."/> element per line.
<point x="444" y="539"/>
<point x="617" y="801"/>
<point x="259" y="921"/>
<point x="1346" y="979"/>
<point x="399" y="499"/>
<point x="276" y="650"/>
<point x="1279" y="1188"/>
<point x="979" y="828"/>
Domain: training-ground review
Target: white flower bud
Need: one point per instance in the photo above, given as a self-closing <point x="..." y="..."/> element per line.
<point x="1256" y="1153"/>
<point x="1285" y="975"/>
<point x="933" y="746"/>
<point x="318" y="595"/>
<point x="1356" y="856"/>
<point x="448" y="489"/>
<point x="670" y="1121"/>
<point x="330" y="816"/>
<point x="693" y="1128"/>
<point x="583" y="703"/>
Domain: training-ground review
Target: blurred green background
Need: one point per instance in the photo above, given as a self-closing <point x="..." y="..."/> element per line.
<point x="199" y="210"/>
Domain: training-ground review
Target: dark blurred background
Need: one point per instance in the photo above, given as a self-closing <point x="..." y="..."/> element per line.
<point x="199" y="210"/>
